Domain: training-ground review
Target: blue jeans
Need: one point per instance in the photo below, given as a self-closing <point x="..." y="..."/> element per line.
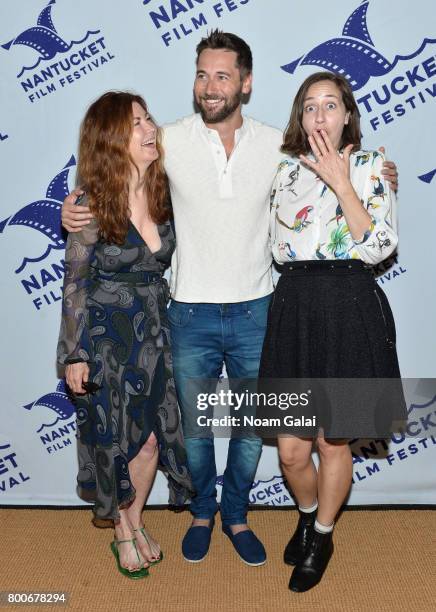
<point x="204" y="336"/>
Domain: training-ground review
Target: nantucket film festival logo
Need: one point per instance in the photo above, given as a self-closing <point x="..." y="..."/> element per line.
<point x="41" y="276"/>
<point x="58" y="427"/>
<point x="12" y="473"/>
<point x="272" y="492"/>
<point x="57" y="63"/>
<point x="371" y="457"/>
<point x="385" y="90"/>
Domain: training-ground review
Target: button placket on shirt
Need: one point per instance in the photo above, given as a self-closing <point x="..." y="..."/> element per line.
<point x="222" y="164"/>
<point x="226" y="182"/>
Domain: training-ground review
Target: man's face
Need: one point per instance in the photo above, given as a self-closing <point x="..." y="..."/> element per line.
<point x="218" y="88"/>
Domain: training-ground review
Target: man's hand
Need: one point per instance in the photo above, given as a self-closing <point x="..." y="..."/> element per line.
<point x="390" y="172"/>
<point x="74" y="218"/>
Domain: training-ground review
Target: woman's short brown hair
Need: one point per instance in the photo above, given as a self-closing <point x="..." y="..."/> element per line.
<point x="295" y="140"/>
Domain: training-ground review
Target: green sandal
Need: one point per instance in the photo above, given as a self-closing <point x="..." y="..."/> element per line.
<point x="136" y="574"/>
<point x="143" y="532"/>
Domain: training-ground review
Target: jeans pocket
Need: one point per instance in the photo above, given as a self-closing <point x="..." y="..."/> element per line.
<point x="258" y="315"/>
<point x="179" y="315"/>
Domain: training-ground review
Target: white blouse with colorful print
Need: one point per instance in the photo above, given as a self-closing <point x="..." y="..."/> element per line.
<point x="307" y="221"/>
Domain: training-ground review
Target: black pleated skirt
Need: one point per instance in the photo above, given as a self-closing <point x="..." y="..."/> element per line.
<point x="331" y="320"/>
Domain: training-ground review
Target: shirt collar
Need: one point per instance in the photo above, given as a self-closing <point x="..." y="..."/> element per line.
<point x="213" y="136"/>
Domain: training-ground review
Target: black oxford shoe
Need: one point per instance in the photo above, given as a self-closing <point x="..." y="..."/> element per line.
<point x="309" y="572"/>
<point x="296" y="547"/>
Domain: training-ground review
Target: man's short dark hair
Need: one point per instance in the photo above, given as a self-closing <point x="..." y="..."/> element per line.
<point x="217" y="39"/>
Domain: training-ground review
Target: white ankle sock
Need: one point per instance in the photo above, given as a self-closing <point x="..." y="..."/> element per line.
<point x="308" y="509"/>
<point x="323" y="528"/>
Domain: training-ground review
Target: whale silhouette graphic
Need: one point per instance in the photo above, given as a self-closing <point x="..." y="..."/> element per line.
<point x="353" y="54"/>
<point x="428" y="176"/>
<point x="58" y="401"/>
<point x="44" y="38"/>
<point x="44" y="215"/>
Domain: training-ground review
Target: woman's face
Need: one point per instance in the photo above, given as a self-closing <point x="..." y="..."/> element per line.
<point x="142" y="146"/>
<point x="323" y="109"/>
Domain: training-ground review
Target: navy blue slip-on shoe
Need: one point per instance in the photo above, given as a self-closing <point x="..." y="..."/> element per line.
<point x="247" y="545"/>
<point x="195" y="544"/>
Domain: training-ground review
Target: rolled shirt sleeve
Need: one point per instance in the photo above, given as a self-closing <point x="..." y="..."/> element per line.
<point x="381" y="238"/>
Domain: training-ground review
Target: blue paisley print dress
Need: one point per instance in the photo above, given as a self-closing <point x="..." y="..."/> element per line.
<point x="114" y="317"/>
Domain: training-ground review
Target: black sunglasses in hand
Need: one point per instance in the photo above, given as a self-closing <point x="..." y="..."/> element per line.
<point x="91" y="387"/>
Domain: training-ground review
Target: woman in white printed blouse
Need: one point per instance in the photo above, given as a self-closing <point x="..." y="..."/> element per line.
<point x="332" y="217"/>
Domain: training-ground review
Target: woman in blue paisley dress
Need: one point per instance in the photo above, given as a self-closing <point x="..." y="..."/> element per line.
<point x="114" y="337"/>
<point x="333" y="217"/>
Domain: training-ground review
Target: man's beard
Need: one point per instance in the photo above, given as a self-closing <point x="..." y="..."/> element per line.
<point x="229" y="107"/>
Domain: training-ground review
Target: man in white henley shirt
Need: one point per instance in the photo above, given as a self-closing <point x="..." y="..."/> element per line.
<point x="220" y="167"/>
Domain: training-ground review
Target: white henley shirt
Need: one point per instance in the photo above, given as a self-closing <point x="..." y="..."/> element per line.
<point x="221" y="210"/>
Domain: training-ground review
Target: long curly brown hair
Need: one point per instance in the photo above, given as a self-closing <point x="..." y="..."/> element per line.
<point x="104" y="167"/>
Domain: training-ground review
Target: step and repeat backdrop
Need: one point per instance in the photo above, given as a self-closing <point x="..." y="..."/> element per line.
<point x="57" y="56"/>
